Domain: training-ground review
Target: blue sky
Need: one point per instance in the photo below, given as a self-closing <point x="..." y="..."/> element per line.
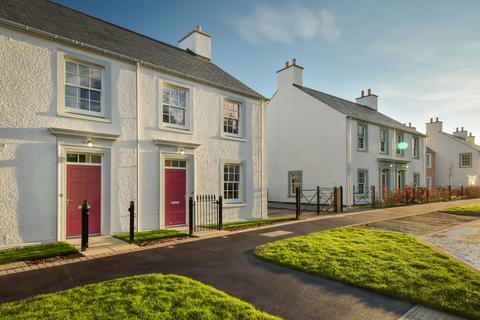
<point x="422" y="58"/>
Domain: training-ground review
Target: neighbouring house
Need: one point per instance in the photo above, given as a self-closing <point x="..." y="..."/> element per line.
<point x="430" y="161"/>
<point x="90" y="110"/>
<point x="316" y="139"/>
<point x="457" y="157"/>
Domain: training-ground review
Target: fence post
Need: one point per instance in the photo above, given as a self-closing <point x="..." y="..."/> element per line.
<point x="372" y="190"/>
<point x="406" y="195"/>
<point x="131" y="209"/>
<point x="335" y="199"/>
<point x="84" y="208"/>
<point x="413" y="194"/>
<point x="428" y="194"/>
<point x="341" y="199"/>
<point x="190" y="216"/>
<point x="449" y="192"/>
<point x="318" y="200"/>
<point x="220" y="212"/>
<point x="463" y="193"/>
<point x="297" y="203"/>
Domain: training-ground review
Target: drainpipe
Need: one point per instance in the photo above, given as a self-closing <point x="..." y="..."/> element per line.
<point x="137" y="105"/>
<point x="349" y="159"/>
<point x="263" y="154"/>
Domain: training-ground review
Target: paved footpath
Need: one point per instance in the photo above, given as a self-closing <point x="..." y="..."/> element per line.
<point x="228" y="264"/>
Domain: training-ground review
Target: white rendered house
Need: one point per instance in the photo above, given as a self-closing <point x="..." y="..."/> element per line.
<point x="91" y="110"/>
<point x="316" y="139"/>
<point x="457" y="156"/>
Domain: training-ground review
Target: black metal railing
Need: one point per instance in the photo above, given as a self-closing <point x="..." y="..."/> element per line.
<point x="364" y="196"/>
<point x="205" y="212"/>
<point x="318" y="200"/>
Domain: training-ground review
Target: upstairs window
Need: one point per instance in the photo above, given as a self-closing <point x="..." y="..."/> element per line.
<point x="231" y="117"/>
<point x="175" y="107"/>
<point x="400" y="144"/>
<point x="384" y="141"/>
<point x="83" y="88"/>
<point x="416" y="147"/>
<point x="465" y="160"/>
<point x="362" y="141"/>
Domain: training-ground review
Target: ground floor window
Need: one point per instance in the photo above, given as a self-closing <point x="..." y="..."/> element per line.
<point x="362" y="181"/>
<point x="175" y="163"/>
<point x="232" y="181"/>
<point x="295" y="180"/>
<point x="416" y="179"/>
<point x="400" y="179"/>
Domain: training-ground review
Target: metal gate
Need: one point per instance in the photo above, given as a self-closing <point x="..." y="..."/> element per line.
<point x="205" y="212"/>
<point x="318" y="200"/>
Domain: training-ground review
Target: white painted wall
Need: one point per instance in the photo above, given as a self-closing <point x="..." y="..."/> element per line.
<point x="303" y="134"/>
<point x="448" y="152"/>
<point x="28" y="152"/>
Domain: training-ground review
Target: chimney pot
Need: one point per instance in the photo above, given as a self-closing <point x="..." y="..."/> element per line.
<point x="436" y="119"/>
<point x="294" y="62"/>
<point x="363" y="93"/>
<point x="431" y="120"/>
<point x="286" y="64"/>
<point x="456" y="129"/>
<point x="369" y="91"/>
<point x="198" y="28"/>
<point x="409" y="124"/>
<point x="462" y="129"/>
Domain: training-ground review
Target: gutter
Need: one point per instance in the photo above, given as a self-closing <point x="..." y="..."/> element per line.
<point x="74" y="43"/>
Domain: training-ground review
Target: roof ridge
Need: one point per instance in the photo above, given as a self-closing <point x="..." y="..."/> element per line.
<point x="191" y="53"/>
<point x="461" y="140"/>
<point x="331" y="95"/>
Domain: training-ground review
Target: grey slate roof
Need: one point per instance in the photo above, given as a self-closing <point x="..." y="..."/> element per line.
<point x="62" y="21"/>
<point x="357" y="111"/>
<point x="458" y="139"/>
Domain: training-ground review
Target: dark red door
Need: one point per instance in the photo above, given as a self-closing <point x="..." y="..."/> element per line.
<point x="175" y="197"/>
<point x="83" y="183"/>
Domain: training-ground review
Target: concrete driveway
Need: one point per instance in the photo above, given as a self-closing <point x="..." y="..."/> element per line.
<point x="227" y="263"/>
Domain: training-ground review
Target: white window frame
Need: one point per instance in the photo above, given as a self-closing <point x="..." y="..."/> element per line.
<point x="365" y="182"/>
<point x="470" y="156"/>
<point x="105" y="96"/>
<point x="241" y="136"/>
<point x="188" y="106"/>
<point x="385" y="142"/>
<point x="291" y="192"/>
<point x="241" y="185"/>
<point x="415" y="147"/>
<point x="428" y="160"/>
<point x="364" y="137"/>
<point x="429" y="182"/>
<point x="416" y="176"/>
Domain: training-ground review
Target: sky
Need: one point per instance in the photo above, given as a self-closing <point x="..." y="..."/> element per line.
<point x="422" y="58"/>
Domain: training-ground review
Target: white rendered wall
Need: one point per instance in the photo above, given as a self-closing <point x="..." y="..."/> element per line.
<point x="447" y="156"/>
<point x="303" y="134"/>
<point x="28" y="159"/>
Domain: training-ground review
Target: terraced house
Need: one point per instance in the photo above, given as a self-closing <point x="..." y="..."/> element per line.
<point x="90" y="110"/>
<point x="322" y="140"/>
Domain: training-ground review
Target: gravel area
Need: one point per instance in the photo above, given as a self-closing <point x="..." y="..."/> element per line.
<point x="462" y="243"/>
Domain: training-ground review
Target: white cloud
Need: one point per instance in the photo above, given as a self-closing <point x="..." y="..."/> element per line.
<point x="285" y="25"/>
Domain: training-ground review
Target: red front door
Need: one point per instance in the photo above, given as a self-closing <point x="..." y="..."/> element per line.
<point x="175" y="197"/>
<point x="83" y="183"/>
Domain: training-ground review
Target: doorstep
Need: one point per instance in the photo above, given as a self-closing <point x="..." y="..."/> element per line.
<point x="101" y="245"/>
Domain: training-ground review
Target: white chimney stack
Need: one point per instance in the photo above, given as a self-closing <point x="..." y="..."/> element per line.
<point x="198" y="42"/>
<point x="290" y="74"/>
<point x="434" y="126"/>
<point x="370" y="100"/>
<point x="471" y="138"/>
<point x="463" y="134"/>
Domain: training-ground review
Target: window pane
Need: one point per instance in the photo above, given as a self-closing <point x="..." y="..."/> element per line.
<point x="71" y="91"/>
<point x="71" y="102"/>
<point x="82" y="158"/>
<point x="72" y="157"/>
<point x="84" y="93"/>
<point x="95" y="106"/>
<point x="83" y="70"/>
<point x="95" y="74"/>
<point x="94" y="95"/>
<point x="96" y="84"/>
<point x="71" y="67"/>
<point x="84" y="104"/>
<point x="72" y="79"/>
<point x="94" y="158"/>
<point x="84" y="81"/>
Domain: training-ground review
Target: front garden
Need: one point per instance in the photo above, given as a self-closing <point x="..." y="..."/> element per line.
<point x="391" y="263"/>
<point x="37" y="252"/>
<point x="144" y="237"/>
<point x="472" y="210"/>
<point x="153" y="296"/>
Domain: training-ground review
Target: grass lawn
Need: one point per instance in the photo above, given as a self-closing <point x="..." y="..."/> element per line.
<point x="472" y="210"/>
<point x="36" y="252"/>
<point x="153" y="296"/>
<point x="387" y="262"/>
<point x="151" y="235"/>
<point x="238" y="225"/>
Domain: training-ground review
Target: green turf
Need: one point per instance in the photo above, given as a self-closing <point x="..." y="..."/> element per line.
<point x="387" y="262"/>
<point x="472" y="210"/>
<point x="36" y="252"/>
<point x="253" y="223"/>
<point x="151" y="235"/>
<point x="153" y="296"/>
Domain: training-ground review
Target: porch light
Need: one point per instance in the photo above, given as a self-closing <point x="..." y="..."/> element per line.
<point x="89" y="142"/>
<point x="181" y="150"/>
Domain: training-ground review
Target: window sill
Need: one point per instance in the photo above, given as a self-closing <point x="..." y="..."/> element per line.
<point x="176" y="130"/>
<point x="83" y="117"/>
<point x="233" y="138"/>
<point x="362" y="150"/>
<point x="234" y="204"/>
